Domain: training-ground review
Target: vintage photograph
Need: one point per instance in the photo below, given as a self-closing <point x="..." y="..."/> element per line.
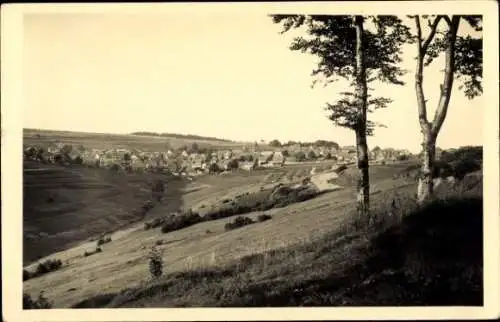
<point x="217" y="158"/>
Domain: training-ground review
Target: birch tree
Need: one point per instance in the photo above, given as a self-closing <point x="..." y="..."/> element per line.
<point x="348" y="50"/>
<point x="462" y="60"/>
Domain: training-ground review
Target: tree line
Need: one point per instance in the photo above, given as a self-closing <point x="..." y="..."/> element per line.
<point x="368" y="49"/>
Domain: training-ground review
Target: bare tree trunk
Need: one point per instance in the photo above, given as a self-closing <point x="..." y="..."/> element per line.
<point x="430" y="130"/>
<point x="425" y="188"/>
<point x="363" y="186"/>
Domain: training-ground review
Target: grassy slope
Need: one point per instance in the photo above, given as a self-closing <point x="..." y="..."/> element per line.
<point x="63" y="206"/>
<point x="124" y="261"/>
<point x="86" y="202"/>
<point x="432" y="257"/>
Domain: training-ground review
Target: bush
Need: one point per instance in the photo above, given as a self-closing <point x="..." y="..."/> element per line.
<point x="97" y="250"/>
<point x="41" y="303"/>
<point x="187" y="219"/>
<point x="155" y="263"/>
<point x="238" y="222"/>
<point x="49" y="265"/>
<point x="26" y="275"/>
<point x="264" y="217"/>
<point x="103" y="240"/>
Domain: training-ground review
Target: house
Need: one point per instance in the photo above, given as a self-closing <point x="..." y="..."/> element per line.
<point x="198" y="163"/>
<point x="248" y="165"/>
<point x="53" y="148"/>
<point x="277" y="160"/>
<point x="227" y="155"/>
<point x="265" y="157"/>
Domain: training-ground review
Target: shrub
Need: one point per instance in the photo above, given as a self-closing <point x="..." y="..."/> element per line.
<point x="26" y="275"/>
<point x="155" y="263"/>
<point x="41" y="303"/>
<point x="187" y="219"/>
<point x="238" y="222"/>
<point x="264" y="217"/>
<point x="103" y="240"/>
<point x="49" y="265"/>
<point x="97" y="250"/>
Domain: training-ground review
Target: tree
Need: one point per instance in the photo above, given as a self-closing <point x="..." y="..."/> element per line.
<point x="300" y="156"/>
<point x="233" y="164"/>
<point x="347" y="50"/>
<point x="311" y="155"/>
<point x="275" y="143"/>
<point x="194" y="147"/>
<point x="463" y="60"/>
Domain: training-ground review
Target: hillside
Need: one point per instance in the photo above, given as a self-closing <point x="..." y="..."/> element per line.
<point x="109" y="141"/>
<point x="124" y="260"/>
<point x="63" y="205"/>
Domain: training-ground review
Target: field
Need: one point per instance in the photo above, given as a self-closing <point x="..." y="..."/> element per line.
<point x="306" y="250"/>
<point x="109" y="141"/>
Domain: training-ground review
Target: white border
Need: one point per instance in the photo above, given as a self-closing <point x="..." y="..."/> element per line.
<point x="11" y="68"/>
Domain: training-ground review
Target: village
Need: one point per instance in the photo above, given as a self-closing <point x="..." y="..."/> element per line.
<point x="195" y="161"/>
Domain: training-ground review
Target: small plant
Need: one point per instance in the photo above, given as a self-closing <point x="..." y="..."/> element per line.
<point x="264" y="217"/>
<point x="155" y="263"/>
<point x="208" y="231"/>
<point x="103" y="240"/>
<point x="159" y="242"/>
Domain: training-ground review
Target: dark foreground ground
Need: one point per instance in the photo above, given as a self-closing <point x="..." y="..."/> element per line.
<point x="411" y="256"/>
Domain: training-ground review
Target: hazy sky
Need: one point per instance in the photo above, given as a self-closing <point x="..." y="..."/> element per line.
<point x="223" y="75"/>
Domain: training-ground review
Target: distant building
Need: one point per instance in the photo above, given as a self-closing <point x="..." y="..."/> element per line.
<point x="265" y="157"/>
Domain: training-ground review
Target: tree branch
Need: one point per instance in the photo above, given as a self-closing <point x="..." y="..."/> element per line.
<point x="449" y="71"/>
<point x="422" y="109"/>
<point x="448" y="20"/>
<point x="432" y="33"/>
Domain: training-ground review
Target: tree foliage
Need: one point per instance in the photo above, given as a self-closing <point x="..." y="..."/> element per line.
<point x="275" y="143"/>
<point x="332" y="38"/>
<point x="468" y="53"/>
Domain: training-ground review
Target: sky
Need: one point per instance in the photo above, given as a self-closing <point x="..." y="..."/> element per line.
<point x="221" y="75"/>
